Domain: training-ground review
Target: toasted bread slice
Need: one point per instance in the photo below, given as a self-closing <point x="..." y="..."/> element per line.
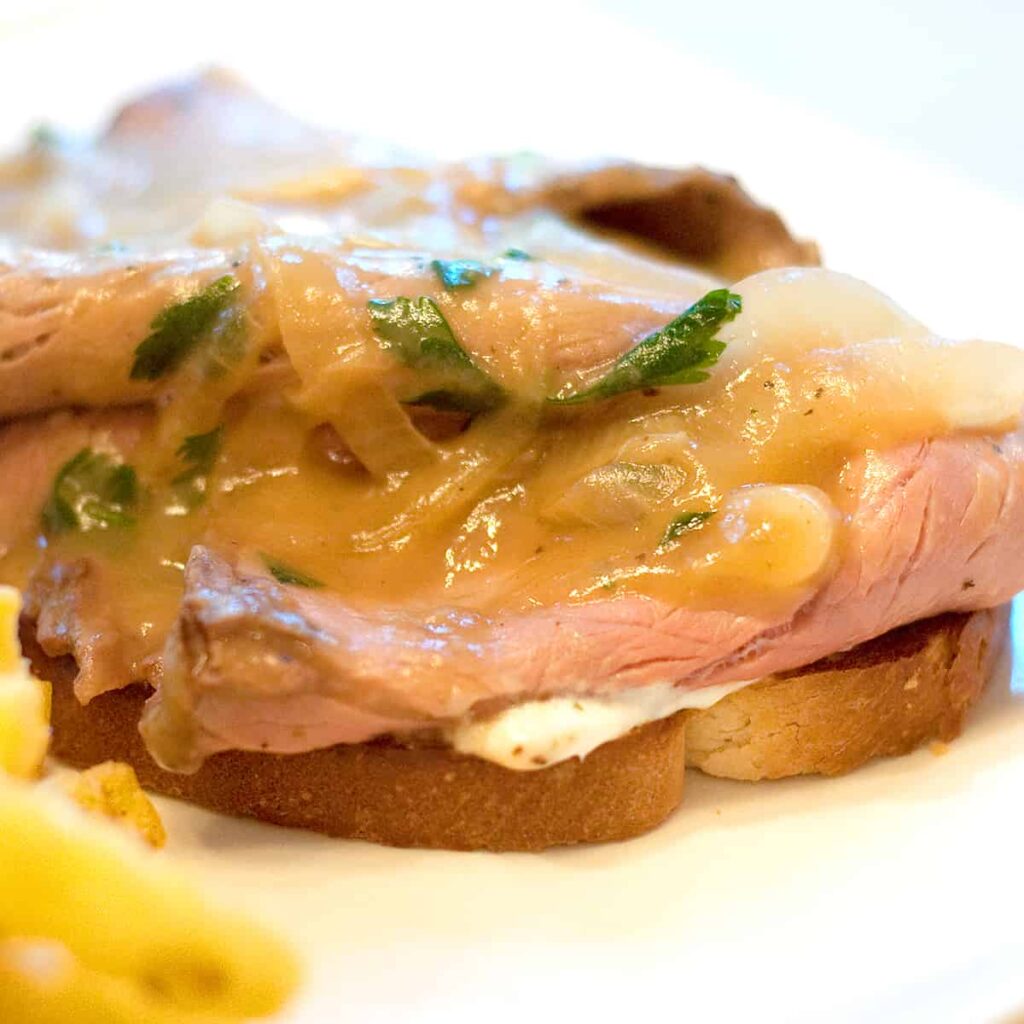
<point x="884" y="697"/>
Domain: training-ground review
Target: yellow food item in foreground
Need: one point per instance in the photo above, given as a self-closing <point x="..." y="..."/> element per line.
<point x="41" y="983"/>
<point x="123" y="912"/>
<point x="112" y="790"/>
<point x="24" y="701"/>
<point x="93" y="927"/>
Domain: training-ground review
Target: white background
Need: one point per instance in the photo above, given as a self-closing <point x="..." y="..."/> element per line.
<point x="942" y="78"/>
<point x="891" y="133"/>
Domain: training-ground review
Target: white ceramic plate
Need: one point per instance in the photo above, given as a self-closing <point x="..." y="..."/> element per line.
<point x="890" y="894"/>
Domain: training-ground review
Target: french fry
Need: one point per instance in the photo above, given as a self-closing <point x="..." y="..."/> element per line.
<point x="24" y="701"/>
<point x="112" y="790"/>
<point x="123" y="912"/>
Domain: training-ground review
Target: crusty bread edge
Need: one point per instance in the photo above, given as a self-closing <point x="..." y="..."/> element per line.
<point x="884" y="697"/>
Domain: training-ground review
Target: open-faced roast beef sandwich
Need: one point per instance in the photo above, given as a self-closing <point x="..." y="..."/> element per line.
<point x="465" y="505"/>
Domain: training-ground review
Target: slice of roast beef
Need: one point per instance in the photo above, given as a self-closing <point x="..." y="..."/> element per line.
<point x="69" y="325"/>
<point x="253" y="665"/>
<point x="152" y="173"/>
<point x="33" y="448"/>
<point x="71" y="602"/>
<point x="692" y="214"/>
<point x="74" y="614"/>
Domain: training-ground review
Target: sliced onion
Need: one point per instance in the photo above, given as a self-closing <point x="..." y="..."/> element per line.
<point x="616" y="494"/>
<point x="775" y="536"/>
<point x="797" y="309"/>
<point x="342" y="378"/>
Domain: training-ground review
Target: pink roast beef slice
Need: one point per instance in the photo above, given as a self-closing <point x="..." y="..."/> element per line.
<point x="70" y="601"/>
<point x="69" y="325"/>
<point x="932" y="527"/>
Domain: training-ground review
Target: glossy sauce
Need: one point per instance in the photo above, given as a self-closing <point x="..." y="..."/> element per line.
<point x="532" y="504"/>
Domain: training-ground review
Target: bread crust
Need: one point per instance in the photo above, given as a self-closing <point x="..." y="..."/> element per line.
<point x="884" y="697"/>
<point x="391" y="794"/>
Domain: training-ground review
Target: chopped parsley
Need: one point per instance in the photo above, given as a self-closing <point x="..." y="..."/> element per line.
<point x="680" y="353"/>
<point x="179" y="328"/>
<point x="449" y="400"/>
<point x="92" y="491"/>
<point x="460" y="273"/>
<point x="516" y="254"/>
<point x="288" y="576"/>
<point x="687" y="522"/>
<point x="416" y="332"/>
<point x="226" y="345"/>
<point x="199" y="454"/>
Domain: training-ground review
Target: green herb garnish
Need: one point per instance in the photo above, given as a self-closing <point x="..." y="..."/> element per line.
<point x="92" y="491"/>
<point x="418" y="334"/>
<point x="688" y="522"/>
<point x="444" y="400"/>
<point x="460" y="273"/>
<point x="178" y="329"/>
<point x="288" y="576"/>
<point x="199" y="453"/>
<point x="680" y="353"/>
<point x="226" y="345"/>
<point x="516" y="254"/>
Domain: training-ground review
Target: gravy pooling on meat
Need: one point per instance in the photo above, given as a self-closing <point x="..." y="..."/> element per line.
<point x="527" y="504"/>
<point x="356" y="383"/>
